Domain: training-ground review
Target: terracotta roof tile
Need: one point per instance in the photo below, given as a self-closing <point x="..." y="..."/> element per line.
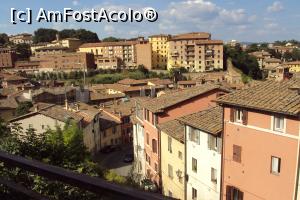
<point x="210" y="120"/>
<point x="269" y="96"/>
<point x="174" y="129"/>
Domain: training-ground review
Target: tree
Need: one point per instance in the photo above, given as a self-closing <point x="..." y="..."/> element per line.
<point x="3" y="38"/>
<point x="23" y="108"/>
<point x="86" y="36"/>
<point x="111" y="39"/>
<point x="44" y="35"/>
<point x="23" y="51"/>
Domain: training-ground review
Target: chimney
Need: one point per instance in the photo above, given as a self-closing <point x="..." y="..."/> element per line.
<point x="36" y="108"/>
<point x="66" y="104"/>
<point x="57" y="37"/>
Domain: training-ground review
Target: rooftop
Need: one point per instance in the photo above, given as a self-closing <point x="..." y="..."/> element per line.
<point x="210" y="120"/>
<point x="106" y="44"/>
<point x="271" y="96"/>
<point x="200" y="42"/>
<point x="192" y="36"/>
<point x="52" y="48"/>
<point x="174" y="129"/>
<point x="107" y="121"/>
<point x="170" y="99"/>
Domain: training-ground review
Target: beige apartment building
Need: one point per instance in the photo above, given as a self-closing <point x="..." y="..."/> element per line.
<point x="196" y="52"/>
<point x="65" y="62"/>
<point x="24" y="38"/>
<point x="159" y="45"/>
<point x="126" y="51"/>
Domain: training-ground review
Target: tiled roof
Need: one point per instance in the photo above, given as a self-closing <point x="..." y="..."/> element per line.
<point x="9" y="102"/>
<point x="191" y="36"/>
<point x="209" y="120"/>
<point x="106" y="44"/>
<point x="106" y="121"/>
<point x="174" y="129"/>
<point x="52" y="48"/>
<point x="169" y="99"/>
<point x="269" y="96"/>
<point x="191" y="82"/>
<point x="103" y="96"/>
<point x="200" y="42"/>
<point x="59" y="113"/>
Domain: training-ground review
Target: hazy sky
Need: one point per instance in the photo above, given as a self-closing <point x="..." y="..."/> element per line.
<point x="244" y="20"/>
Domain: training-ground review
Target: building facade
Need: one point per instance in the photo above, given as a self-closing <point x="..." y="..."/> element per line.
<point x="203" y="147"/>
<point x="159" y="46"/>
<point x="8" y="57"/>
<point x="196" y="52"/>
<point x="168" y="107"/>
<point x="261" y="142"/>
<point x="23" y="38"/>
<point x="172" y="159"/>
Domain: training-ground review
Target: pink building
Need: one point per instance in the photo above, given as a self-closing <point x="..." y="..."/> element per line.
<point x="168" y="107"/>
<point x="261" y="142"/>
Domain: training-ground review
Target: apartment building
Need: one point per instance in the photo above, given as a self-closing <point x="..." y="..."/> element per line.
<point x="196" y="52"/>
<point x="203" y="150"/>
<point x="172" y="159"/>
<point x="8" y="57"/>
<point x="294" y="66"/>
<point x="23" y="38"/>
<point x="159" y="45"/>
<point x="168" y="107"/>
<point x="262" y="57"/>
<point x="261" y="142"/>
<point x="65" y="62"/>
<point x="126" y="51"/>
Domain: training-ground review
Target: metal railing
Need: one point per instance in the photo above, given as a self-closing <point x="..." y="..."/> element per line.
<point x="82" y="181"/>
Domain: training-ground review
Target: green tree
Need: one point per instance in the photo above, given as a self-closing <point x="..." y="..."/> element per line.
<point x="44" y="35"/>
<point x="23" y="51"/>
<point x="23" y="108"/>
<point x="3" y="38"/>
<point x="86" y="36"/>
<point x="111" y="39"/>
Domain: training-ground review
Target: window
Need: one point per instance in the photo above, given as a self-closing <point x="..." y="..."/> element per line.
<point x="154" y="146"/>
<point x="148" y="160"/>
<point x="194" y="134"/>
<point x="194" y="194"/>
<point x="104" y="133"/>
<point x="170" y="144"/>
<point x="238" y="115"/>
<point x="233" y="193"/>
<point x="213" y="175"/>
<point x="194" y="165"/>
<point x="180" y="155"/>
<point x="237" y="153"/>
<point x="278" y="123"/>
<point x="147" y="138"/>
<point x="154" y="119"/>
<point x="170" y="171"/>
<point x="114" y="130"/>
<point x="147" y="115"/>
<point x="275" y="165"/>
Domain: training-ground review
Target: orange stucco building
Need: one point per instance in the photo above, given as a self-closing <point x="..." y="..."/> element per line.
<point x="168" y="107"/>
<point x="261" y="142"/>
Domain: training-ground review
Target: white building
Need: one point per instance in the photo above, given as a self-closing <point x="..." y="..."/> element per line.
<point x="203" y="154"/>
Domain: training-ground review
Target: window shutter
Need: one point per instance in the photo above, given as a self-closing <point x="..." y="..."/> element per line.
<point x="219" y="141"/>
<point x="245" y="117"/>
<point x="209" y="142"/>
<point x="189" y="132"/>
<point x="198" y="136"/>
<point x="241" y="195"/>
<point x="232" y="111"/>
<point x="228" y="192"/>
<point x="237" y="153"/>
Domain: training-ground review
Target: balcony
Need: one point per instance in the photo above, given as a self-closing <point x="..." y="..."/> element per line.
<point x="95" y="185"/>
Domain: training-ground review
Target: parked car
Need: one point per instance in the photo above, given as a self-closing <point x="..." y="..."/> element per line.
<point x="148" y="185"/>
<point x="128" y="158"/>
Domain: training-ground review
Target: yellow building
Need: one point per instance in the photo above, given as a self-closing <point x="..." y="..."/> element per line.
<point x="159" y="44"/>
<point x="293" y="66"/>
<point x="172" y="159"/>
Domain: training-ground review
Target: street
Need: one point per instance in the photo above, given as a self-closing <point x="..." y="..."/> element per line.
<point x="114" y="160"/>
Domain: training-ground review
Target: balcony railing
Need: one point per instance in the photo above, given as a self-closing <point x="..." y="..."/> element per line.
<point x="82" y="181"/>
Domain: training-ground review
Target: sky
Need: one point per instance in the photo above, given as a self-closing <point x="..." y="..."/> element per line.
<point x="242" y="20"/>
